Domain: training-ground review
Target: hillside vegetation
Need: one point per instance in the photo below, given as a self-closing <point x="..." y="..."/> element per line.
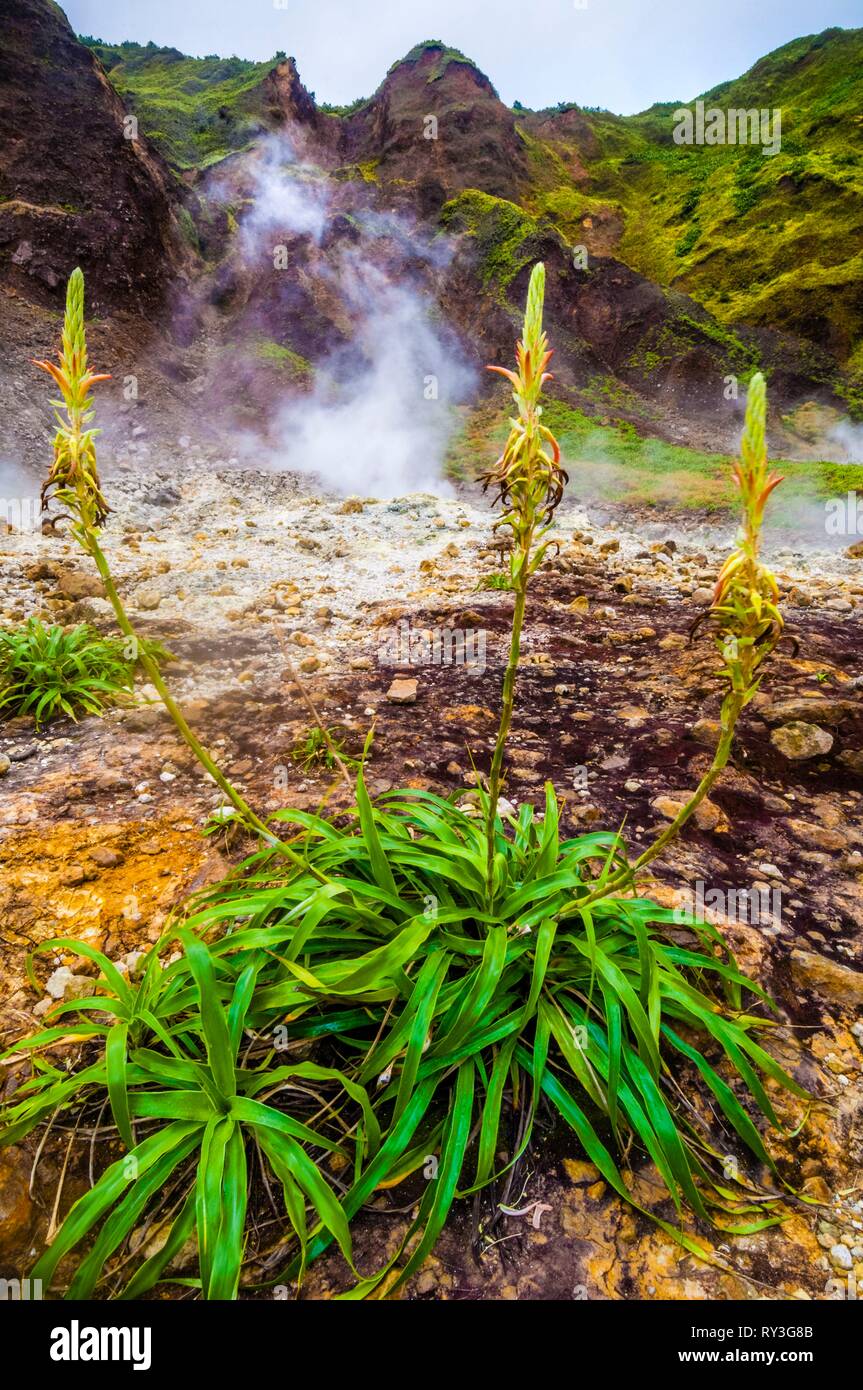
<point x="197" y="110"/>
<point x="767" y="241"/>
<point x="764" y="239"/>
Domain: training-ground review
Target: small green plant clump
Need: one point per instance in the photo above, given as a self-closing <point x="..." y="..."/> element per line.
<point x="496" y="580"/>
<point x="324" y="748"/>
<point x="399" y="995"/>
<point x="49" y="672"/>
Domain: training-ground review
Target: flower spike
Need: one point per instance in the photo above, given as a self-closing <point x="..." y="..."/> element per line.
<point x="73" y="479"/>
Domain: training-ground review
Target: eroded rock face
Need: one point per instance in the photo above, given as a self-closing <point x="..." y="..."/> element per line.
<point x="73" y="189"/>
<point x="478" y="147"/>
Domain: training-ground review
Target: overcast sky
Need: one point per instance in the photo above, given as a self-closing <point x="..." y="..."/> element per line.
<point x="622" y="54"/>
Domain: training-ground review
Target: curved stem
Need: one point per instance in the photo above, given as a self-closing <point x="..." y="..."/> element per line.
<point x="250" y="819"/>
<point x="702" y="791"/>
<point x="507" y="707"/>
<point x="731" y="714"/>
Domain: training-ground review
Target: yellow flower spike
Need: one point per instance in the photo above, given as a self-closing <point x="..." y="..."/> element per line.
<point x="744" y="603"/>
<point x="73" y="479"/>
<point x="528" y="481"/>
<point x="749" y="627"/>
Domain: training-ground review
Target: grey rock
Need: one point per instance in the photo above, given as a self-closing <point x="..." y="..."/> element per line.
<point x="799" y="741"/>
<point x="20" y="752"/>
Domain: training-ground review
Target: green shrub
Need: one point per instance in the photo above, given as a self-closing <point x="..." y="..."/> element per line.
<point x="414" y="980"/>
<point x="324" y="748"/>
<point x="169" y="1064"/>
<point x="462" y="1020"/>
<point x="51" y="671"/>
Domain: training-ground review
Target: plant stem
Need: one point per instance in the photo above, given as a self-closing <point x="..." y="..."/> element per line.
<point x="731" y="714"/>
<point x="529" y="482"/>
<point x="507" y="706"/>
<point x="250" y="819"/>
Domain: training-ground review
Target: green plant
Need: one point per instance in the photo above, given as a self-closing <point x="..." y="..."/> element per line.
<point x="496" y="580"/>
<point x="528" y="481"/>
<point x="458" y="1019"/>
<point x="52" y="671"/>
<point x="688" y="240"/>
<point x="324" y="748"/>
<point x="455" y="972"/>
<point x="531" y="1001"/>
<point x="171" y="1066"/>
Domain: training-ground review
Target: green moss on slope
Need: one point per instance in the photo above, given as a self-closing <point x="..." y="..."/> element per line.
<point x="614" y="462"/>
<point x="758" y="239"/>
<point x="197" y="110"/>
<point x="444" y="55"/>
<point x="284" y="358"/>
<point x="503" y="232"/>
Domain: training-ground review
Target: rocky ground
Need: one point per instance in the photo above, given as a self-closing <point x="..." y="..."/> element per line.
<point x="254" y="580"/>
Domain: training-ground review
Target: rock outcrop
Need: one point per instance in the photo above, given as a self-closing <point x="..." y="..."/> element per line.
<point x="75" y="189"/>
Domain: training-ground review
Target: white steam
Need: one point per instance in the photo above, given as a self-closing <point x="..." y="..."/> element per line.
<point x="380" y="416"/>
<point x="288" y="196"/>
<point x="849" y="437"/>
